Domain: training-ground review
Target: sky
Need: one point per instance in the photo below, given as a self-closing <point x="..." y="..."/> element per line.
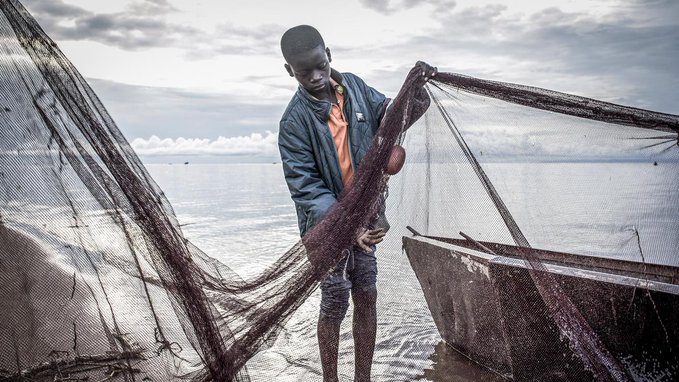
<point x="205" y="77"/>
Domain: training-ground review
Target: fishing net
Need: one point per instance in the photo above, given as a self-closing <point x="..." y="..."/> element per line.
<point x="99" y="282"/>
<point x="504" y="169"/>
<point x="98" y="273"/>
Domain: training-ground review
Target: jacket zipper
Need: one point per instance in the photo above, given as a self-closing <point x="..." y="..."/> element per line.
<point x="351" y="155"/>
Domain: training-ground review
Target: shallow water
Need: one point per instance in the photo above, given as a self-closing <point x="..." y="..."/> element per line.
<point x="242" y="215"/>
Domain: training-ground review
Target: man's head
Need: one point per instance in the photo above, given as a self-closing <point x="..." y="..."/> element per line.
<point x="307" y="59"/>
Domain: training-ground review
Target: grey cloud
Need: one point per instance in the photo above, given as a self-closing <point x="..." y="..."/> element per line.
<point x="143" y="25"/>
<point x="171" y="113"/>
<point x="377" y="5"/>
<point x="627" y="48"/>
<point x="283" y="81"/>
<point x="152" y="7"/>
<point x="55" y="8"/>
<point x="248" y="40"/>
<point x="653" y="12"/>
<point x="627" y="57"/>
<point x="388" y="7"/>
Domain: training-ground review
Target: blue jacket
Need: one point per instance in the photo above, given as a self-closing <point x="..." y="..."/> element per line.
<point x="308" y="152"/>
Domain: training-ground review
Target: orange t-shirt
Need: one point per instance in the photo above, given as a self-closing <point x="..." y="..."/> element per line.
<point x="340" y="133"/>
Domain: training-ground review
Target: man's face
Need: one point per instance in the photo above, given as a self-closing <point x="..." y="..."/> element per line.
<point x="311" y="69"/>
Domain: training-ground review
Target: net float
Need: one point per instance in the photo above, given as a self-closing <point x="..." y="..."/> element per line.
<point x="397" y="158"/>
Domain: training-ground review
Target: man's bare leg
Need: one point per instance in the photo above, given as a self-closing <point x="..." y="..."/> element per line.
<point x="328" y="344"/>
<point x="364" y="329"/>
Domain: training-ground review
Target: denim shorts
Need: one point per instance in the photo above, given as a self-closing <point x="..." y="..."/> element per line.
<point x="356" y="273"/>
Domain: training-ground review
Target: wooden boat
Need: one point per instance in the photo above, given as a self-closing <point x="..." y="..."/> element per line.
<point x="486" y="306"/>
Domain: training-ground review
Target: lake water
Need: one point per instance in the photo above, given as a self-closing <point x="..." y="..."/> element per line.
<point x="242" y="215"/>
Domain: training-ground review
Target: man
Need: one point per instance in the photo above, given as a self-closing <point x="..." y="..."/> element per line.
<point x="324" y="134"/>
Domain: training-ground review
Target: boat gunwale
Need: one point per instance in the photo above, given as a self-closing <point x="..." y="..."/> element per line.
<point x="628" y="272"/>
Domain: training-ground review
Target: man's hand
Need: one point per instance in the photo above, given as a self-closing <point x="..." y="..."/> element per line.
<point x="428" y="71"/>
<point x="368" y="238"/>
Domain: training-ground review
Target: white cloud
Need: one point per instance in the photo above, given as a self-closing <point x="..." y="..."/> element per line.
<point x="254" y="144"/>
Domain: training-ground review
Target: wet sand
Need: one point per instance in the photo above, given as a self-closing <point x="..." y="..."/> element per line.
<point x="41" y="306"/>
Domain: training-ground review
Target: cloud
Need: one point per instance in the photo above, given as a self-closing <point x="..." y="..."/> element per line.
<point x="389" y="7"/>
<point x="142" y="111"/>
<point x="143" y="25"/>
<point x="624" y="54"/>
<point x="253" y="145"/>
<point x="152" y="7"/>
<point x="627" y="55"/>
<point x="497" y="130"/>
<point x="55" y="9"/>
<point x="140" y="26"/>
<point x="382" y="6"/>
<point x="232" y="39"/>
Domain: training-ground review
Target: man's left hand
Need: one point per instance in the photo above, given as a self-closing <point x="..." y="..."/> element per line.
<point x="369" y="237"/>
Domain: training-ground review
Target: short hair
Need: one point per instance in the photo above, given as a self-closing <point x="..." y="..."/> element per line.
<point x="299" y="39"/>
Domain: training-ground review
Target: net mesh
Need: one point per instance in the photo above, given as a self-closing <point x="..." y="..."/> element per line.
<point x="99" y="280"/>
<point x="568" y="175"/>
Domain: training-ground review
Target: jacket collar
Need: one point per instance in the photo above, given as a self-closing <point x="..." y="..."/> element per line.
<point x="319" y="107"/>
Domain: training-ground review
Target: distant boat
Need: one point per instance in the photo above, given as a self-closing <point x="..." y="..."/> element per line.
<point x="486" y="307"/>
<point x="186" y="162"/>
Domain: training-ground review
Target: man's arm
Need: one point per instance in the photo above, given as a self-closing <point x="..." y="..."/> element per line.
<point x="307" y="188"/>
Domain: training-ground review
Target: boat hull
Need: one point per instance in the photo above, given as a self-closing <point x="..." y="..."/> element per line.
<point x="487" y="307"/>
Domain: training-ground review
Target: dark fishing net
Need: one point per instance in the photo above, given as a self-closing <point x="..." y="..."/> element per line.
<point x="97" y="272"/>
<point x="99" y="281"/>
<point x="502" y="169"/>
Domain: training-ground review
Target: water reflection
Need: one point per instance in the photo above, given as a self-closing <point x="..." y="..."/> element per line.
<point x="449" y="365"/>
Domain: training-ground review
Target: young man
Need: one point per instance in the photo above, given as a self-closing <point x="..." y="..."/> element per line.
<point x="324" y="134"/>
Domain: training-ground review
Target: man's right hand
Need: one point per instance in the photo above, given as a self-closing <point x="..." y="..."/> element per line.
<point x="369" y="237"/>
<point x="428" y="71"/>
